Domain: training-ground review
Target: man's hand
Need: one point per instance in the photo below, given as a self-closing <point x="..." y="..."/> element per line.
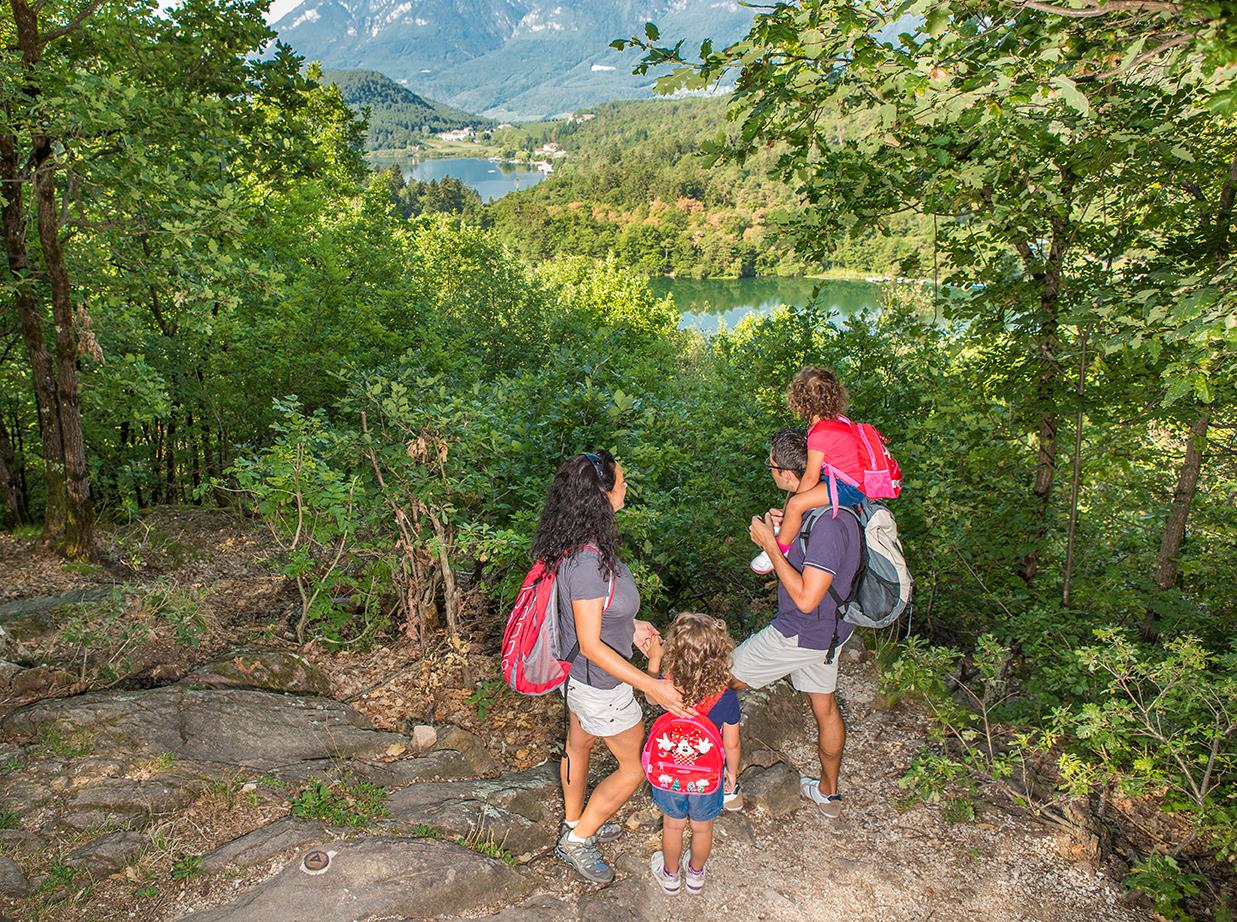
<point x="761" y="533"/>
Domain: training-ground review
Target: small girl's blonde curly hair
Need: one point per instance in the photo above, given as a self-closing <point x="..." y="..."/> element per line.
<point x="697" y="656"/>
<point x="816" y="393"/>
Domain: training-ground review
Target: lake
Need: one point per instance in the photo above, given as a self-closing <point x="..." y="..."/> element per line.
<point x="491" y="180"/>
<point x="704" y="304"/>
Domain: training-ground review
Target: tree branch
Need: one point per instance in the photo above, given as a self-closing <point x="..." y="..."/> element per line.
<point x="85" y="13"/>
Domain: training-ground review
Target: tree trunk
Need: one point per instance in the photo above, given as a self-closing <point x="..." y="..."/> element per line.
<point x="1166" y="562"/>
<point x="9" y="480"/>
<point x="32" y="321"/>
<point x="1048" y="345"/>
<point x="79" y="537"/>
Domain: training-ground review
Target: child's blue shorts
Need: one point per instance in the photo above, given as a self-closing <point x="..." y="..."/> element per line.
<point x="699" y="807"/>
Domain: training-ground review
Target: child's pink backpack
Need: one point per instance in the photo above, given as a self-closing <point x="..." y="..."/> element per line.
<point x="533" y="660"/>
<point x="685" y="754"/>
<point x="872" y="469"/>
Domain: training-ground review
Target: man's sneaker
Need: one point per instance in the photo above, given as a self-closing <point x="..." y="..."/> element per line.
<point x="669" y="883"/>
<point x="828" y="804"/>
<point x="762" y="564"/>
<point x="695" y="879"/>
<point x="584" y="857"/>
<point x="607" y="833"/>
<point x="732" y="800"/>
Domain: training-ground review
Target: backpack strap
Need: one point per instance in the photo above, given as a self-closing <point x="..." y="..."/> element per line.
<point x="707" y="704"/>
<point x="839" y="603"/>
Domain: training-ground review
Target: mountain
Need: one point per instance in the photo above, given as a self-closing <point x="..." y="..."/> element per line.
<point x="507" y="59"/>
<point x="398" y="117"/>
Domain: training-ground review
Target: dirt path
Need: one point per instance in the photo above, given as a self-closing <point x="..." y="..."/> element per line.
<point x="876" y="863"/>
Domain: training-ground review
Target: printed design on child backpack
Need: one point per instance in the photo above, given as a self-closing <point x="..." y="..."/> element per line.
<point x="685" y="754"/>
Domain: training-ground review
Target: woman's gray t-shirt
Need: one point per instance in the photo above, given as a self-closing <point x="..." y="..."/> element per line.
<point x="580" y="576"/>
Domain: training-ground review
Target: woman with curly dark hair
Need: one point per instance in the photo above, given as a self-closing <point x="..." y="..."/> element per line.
<point x="577" y="539"/>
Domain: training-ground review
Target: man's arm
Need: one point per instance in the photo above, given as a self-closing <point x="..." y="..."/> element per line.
<point x="807" y="589"/>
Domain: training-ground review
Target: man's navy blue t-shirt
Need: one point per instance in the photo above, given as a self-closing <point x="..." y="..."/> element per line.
<point x="833" y="546"/>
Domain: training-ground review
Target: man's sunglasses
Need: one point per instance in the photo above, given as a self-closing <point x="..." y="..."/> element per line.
<point x="774" y="467"/>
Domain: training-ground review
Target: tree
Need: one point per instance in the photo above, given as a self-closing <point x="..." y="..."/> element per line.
<point x="1018" y="128"/>
<point x="122" y="126"/>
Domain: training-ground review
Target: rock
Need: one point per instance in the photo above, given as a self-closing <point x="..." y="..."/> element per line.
<point x="257" y="729"/>
<point x="263" y="668"/>
<point x="516" y="810"/>
<point x="107" y="854"/>
<point x="775" y="790"/>
<point x="266" y="842"/>
<point x="735" y="827"/>
<point x="469" y="746"/>
<point x="628" y="900"/>
<point x="127" y="801"/>
<point x="7" y="669"/>
<point x="26" y="840"/>
<point x="12" y="881"/>
<point x="855" y="650"/>
<point x="423" y="739"/>
<point x="772" y="716"/>
<point x="35" y="683"/>
<point x="377" y="878"/>
<point x="538" y="908"/>
<point x="438" y="765"/>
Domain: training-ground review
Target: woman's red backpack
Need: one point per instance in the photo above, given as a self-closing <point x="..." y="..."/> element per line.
<point x="685" y="754"/>
<point x="533" y="660"/>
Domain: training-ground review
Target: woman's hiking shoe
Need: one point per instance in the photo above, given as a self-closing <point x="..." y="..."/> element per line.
<point x="584" y="857"/>
<point x="607" y="833"/>
<point x="732" y="800"/>
<point x="762" y="564"/>
<point x="695" y="879"/>
<point x="828" y="804"/>
<point x="669" y="883"/>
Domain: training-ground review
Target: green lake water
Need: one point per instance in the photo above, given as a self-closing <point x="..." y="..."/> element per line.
<point x="705" y="304"/>
<point x="491" y="180"/>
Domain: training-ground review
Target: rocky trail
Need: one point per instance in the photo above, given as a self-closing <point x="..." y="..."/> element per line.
<point x="249" y="779"/>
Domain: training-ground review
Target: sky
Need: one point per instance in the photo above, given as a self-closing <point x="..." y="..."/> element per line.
<point x="279" y="8"/>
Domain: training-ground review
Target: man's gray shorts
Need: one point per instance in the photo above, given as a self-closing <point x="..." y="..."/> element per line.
<point x="767" y="656"/>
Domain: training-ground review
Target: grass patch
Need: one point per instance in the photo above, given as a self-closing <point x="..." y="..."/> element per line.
<point x="10" y="765"/>
<point x="9" y="819"/>
<point x="71" y="745"/>
<point x="483" y="843"/>
<point x="60" y="875"/>
<point x="357" y="804"/>
<point x="186" y="867"/>
<point x="81" y="568"/>
<point x="425" y="831"/>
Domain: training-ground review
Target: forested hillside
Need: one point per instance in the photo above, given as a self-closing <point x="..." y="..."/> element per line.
<point x="210" y="306"/>
<point x="397" y="117"/>
<point x="641" y="184"/>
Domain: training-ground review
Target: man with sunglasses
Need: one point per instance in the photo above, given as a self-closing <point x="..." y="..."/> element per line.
<point x="812" y="576"/>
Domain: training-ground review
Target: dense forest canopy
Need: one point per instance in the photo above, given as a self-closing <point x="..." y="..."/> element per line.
<point x="643" y="182"/>
<point x="209" y="299"/>
<point x="395" y="116"/>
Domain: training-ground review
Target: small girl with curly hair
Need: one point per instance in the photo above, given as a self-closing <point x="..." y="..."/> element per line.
<point x="696" y="657"/>
<point x="817" y="396"/>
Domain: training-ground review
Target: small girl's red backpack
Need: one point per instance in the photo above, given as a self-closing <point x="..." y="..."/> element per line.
<point x="685" y="754"/>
